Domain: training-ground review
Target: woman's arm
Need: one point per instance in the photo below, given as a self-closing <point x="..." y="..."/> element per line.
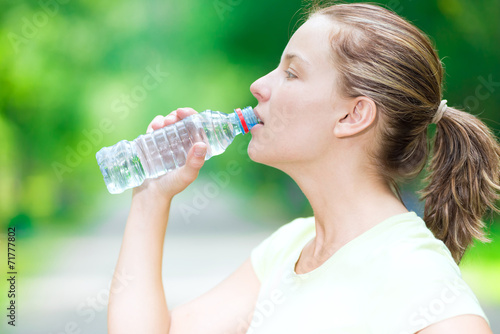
<point x="140" y="305"/>
<point x="463" y="324"/>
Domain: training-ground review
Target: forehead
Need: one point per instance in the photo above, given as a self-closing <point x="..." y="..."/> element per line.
<point x="311" y="41"/>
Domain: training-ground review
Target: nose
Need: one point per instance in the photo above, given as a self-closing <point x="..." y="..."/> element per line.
<point x="260" y="88"/>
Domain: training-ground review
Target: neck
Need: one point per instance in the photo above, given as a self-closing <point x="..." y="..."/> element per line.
<point x="345" y="199"/>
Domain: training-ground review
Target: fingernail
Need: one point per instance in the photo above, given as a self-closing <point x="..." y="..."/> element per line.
<point x="200" y="151"/>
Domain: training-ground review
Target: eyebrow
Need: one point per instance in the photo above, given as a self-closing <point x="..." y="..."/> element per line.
<point x="291" y="56"/>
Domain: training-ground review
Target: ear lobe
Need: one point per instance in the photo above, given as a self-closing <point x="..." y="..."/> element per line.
<point x="361" y="115"/>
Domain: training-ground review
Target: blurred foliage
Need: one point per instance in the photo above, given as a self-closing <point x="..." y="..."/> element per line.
<point x="75" y="75"/>
<point x="480" y="268"/>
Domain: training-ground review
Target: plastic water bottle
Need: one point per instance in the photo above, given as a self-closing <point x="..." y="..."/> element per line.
<point x="128" y="163"/>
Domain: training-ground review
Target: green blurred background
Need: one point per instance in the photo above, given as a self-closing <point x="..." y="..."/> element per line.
<point x="77" y="75"/>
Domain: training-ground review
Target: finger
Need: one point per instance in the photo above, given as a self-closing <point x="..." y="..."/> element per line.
<point x="194" y="161"/>
<point x="185" y="112"/>
<point x="156" y="123"/>
<point x="175" y="116"/>
<point x="171" y="118"/>
<point x="178" y="115"/>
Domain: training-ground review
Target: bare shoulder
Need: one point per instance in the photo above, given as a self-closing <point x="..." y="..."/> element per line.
<point x="463" y="324"/>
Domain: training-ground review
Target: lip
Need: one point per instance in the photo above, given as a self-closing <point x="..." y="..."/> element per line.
<point x="255" y="128"/>
<point x="258" y="116"/>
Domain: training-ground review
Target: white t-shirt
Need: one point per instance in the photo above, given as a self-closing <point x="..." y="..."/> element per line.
<point x="394" y="278"/>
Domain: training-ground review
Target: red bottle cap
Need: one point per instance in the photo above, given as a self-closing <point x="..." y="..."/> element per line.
<point x="242" y="119"/>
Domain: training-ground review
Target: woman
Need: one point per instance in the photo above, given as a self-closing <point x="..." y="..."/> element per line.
<point x="345" y="115"/>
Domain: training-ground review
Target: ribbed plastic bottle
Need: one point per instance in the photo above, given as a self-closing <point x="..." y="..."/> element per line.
<point x="128" y="163"/>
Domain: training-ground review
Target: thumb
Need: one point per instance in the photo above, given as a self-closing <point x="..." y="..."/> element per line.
<point x="194" y="161"/>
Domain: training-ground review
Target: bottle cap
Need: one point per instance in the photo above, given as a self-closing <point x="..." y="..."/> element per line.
<point x="247" y="118"/>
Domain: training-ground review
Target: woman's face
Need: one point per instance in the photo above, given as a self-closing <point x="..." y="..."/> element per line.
<point x="297" y="101"/>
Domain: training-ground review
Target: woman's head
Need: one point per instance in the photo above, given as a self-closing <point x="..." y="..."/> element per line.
<point x="379" y="75"/>
<point x="302" y="107"/>
<point x="361" y="50"/>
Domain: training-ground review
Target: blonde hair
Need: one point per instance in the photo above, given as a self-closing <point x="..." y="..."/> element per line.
<point x="382" y="56"/>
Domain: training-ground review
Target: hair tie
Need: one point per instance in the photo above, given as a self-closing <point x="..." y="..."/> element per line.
<point x="439" y="113"/>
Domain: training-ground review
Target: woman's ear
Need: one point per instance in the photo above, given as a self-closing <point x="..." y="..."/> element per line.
<point x="360" y="116"/>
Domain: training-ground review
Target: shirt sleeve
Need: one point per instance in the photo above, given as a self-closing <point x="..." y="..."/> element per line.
<point x="427" y="289"/>
<point x="279" y="246"/>
<point x="258" y="258"/>
<point x="440" y="300"/>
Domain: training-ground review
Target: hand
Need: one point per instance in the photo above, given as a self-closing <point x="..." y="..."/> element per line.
<point x="172" y="183"/>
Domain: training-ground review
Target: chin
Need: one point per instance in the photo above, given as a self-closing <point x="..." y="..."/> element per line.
<point x="262" y="155"/>
<point x="257" y="153"/>
<point x="254" y="153"/>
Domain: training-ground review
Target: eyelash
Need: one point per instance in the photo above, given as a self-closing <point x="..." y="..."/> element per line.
<point x="290" y="75"/>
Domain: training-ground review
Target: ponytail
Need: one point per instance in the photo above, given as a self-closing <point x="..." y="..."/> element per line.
<point x="463" y="181"/>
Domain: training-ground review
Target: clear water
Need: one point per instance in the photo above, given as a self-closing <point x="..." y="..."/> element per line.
<point x="127" y="164"/>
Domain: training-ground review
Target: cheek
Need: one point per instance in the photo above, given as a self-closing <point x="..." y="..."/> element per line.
<point x="280" y="125"/>
<point x="297" y="142"/>
<point x="295" y="128"/>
